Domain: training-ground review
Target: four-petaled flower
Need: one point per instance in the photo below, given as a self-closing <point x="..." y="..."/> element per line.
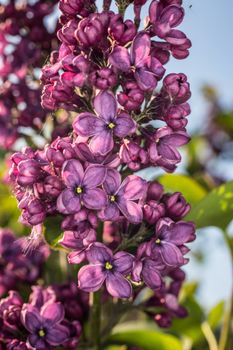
<point x="122" y="197"/>
<point x="169" y="241"/>
<point x="44" y="325"/>
<point x="146" y="69"/>
<point x="108" y="268"/>
<point x="105" y="125"/>
<point x="81" y="187"/>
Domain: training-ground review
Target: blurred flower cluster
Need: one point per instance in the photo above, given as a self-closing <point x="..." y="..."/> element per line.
<point x="26" y="42"/>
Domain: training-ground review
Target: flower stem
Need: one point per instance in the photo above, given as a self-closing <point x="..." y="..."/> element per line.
<point x="95" y="322"/>
<point x="228" y="316"/>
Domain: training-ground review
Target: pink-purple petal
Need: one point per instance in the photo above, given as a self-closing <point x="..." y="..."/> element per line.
<point x="125" y="125"/>
<point x="120" y="58"/>
<point x="112" y="181"/>
<point x="102" y="143"/>
<point x="98" y="253"/>
<point x="131" y="210"/>
<point x="94" y="198"/>
<point x="87" y="124"/>
<point x="53" y="313"/>
<point x="57" y="335"/>
<point x="118" y="286"/>
<point x="105" y="105"/>
<point x="91" y="278"/>
<point x="72" y="173"/>
<point x="140" y="49"/>
<point x="94" y="176"/>
<point x="68" y="202"/>
<point x="123" y="262"/>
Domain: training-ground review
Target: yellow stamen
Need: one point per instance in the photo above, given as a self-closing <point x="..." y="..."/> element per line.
<point x="108" y="266"/>
<point x="112" y="198"/>
<point x="158" y="241"/>
<point x="79" y="190"/>
<point x="41" y="333"/>
<point x="111" y="125"/>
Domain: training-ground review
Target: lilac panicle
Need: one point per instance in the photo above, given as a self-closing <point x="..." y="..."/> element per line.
<point x="109" y="77"/>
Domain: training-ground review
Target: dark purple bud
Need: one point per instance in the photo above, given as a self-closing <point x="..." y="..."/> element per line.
<point x="132" y="97"/>
<point x="164" y="320"/>
<point x="90" y="31"/>
<point x="16" y="344"/>
<point x="29" y="171"/>
<point x="176" y="206"/>
<point x="155" y="191"/>
<point x="177" y="87"/>
<point x="133" y="155"/>
<point x="153" y="211"/>
<point x="122" y="31"/>
<point x="103" y="78"/>
<point x="34" y="211"/>
<point x="175" y="116"/>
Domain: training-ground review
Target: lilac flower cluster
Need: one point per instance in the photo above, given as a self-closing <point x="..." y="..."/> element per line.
<point x="25" y="44"/>
<point x="127" y="231"/>
<point x="16" y="267"/>
<point x="43" y="322"/>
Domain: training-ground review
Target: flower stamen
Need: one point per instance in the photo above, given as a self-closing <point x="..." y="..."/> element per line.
<point x="79" y="190"/>
<point x="111" y="125"/>
<point x="108" y="266"/>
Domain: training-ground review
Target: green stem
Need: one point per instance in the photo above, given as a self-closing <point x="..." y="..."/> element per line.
<point x="209" y="335"/>
<point x="95" y="322"/>
<point x="228" y="316"/>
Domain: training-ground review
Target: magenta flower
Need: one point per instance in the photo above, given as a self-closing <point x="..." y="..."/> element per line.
<point x="169" y="241"/>
<point x="147" y="69"/>
<point x="163" y="151"/>
<point x="147" y="270"/>
<point x="122" y="197"/>
<point x="81" y="187"/>
<point x="44" y="326"/>
<point x="101" y="129"/>
<point x="108" y="268"/>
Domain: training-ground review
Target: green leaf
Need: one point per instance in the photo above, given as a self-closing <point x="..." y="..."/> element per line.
<point x="215" y="209"/>
<point x="215" y="315"/>
<point x="52" y="231"/>
<point x="146" y="339"/>
<point x="191" y="189"/>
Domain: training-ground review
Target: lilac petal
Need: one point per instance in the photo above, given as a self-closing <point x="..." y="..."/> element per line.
<point x="180" y="233"/>
<point x="140" y="49"/>
<point x="169" y="152"/>
<point x="102" y="143"/>
<point x="77" y="257"/>
<point x="173" y="14"/>
<point x="32" y="320"/>
<point x="125" y="125"/>
<point x="120" y="58"/>
<point x="112" y="181"/>
<point x="98" y="253"/>
<point x="94" y="199"/>
<point x="94" y="176"/>
<point x="151" y="275"/>
<point x="171" y="255"/>
<point x="177" y="139"/>
<point x="87" y="124"/>
<point x="37" y="342"/>
<point x="57" y="335"/>
<point x="54" y="313"/>
<point x="137" y="270"/>
<point x="91" y="278"/>
<point x="118" y="286"/>
<point x="105" y="105"/>
<point x="123" y="262"/>
<point x="146" y="80"/>
<point x="132" y="211"/>
<point x="68" y="202"/>
<point x="110" y="213"/>
<point x="72" y="173"/>
<point x="133" y="188"/>
<point x="70" y="241"/>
